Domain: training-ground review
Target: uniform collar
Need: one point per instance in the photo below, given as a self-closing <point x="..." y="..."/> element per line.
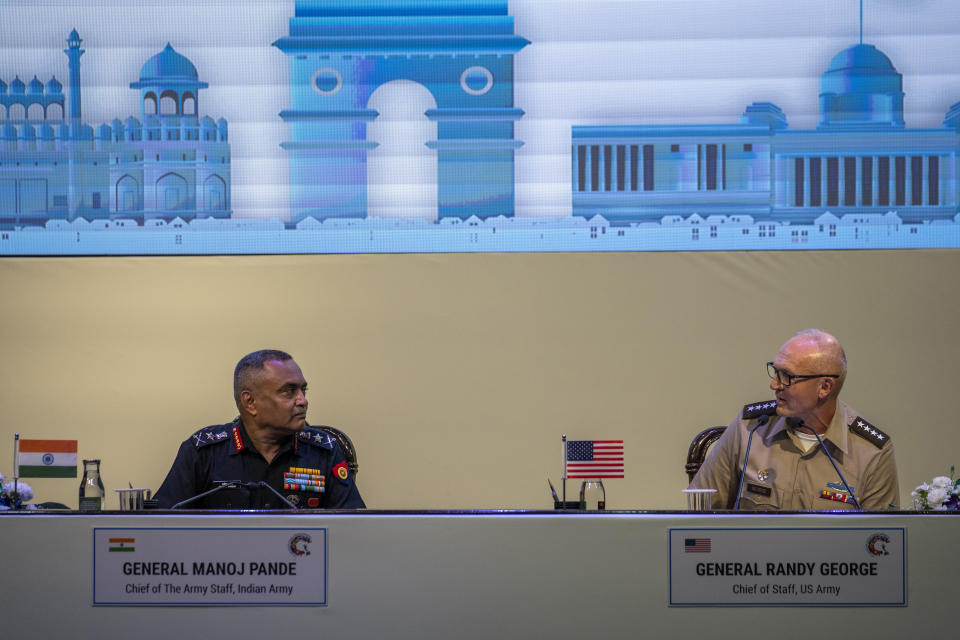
<point x="836" y="433"/>
<point x="247" y="444"/>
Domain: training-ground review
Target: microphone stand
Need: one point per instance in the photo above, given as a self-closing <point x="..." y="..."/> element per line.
<point x="801" y="425"/>
<point x="232" y="484"/>
<point x="275" y="492"/>
<point x="746" y="456"/>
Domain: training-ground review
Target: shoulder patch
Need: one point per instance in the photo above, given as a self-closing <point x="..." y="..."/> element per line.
<point x="869" y="432"/>
<point x="757" y="409"/>
<point x="211" y="435"/>
<point x="316" y="438"/>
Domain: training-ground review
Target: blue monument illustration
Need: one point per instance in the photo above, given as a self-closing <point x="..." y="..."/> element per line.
<point x="342" y="51"/>
<point x="169" y="164"/>
<point x="399" y="135"/>
<point x="860" y="159"/>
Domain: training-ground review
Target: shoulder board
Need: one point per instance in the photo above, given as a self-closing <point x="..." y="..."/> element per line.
<point x="757" y="409"/>
<point x="317" y="438"/>
<point x="869" y="432"/>
<point x="211" y="435"/>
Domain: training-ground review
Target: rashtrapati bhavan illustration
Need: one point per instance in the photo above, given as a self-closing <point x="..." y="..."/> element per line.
<point x="168" y="165"/>
<point x="861" y="159"/>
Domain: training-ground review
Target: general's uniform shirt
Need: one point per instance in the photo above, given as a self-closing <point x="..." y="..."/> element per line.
<point x="225" y="452"/>
<point x="781" y="476"/>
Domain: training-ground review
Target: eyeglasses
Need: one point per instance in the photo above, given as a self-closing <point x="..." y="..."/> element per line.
<point x="786" y="379"/>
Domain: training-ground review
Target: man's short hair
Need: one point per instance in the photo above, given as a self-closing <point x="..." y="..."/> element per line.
<point x="252" y="363"/>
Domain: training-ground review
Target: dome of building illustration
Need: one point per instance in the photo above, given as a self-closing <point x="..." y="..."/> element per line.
<point x="168" y="77"/>
<point x="865" y="57"/>
<point x="54" y="86"/>
<point x="861" y="87"/>
<point x="35" y="86"/>
<point x="17" y="86"/>
<point x="168" y="64"/>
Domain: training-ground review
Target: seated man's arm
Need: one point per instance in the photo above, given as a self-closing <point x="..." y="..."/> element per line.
<point x="181" y="481"/>
<point x="881" y="489"/>
<point x="341" y="490"/>
<point x="721" y="469"/>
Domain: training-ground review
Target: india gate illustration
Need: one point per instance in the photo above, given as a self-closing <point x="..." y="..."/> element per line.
<point x="356" y="151"/>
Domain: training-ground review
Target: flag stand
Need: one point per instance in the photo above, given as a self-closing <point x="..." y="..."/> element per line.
<point x="16" y="462"/>
<point x="563" y="496"/>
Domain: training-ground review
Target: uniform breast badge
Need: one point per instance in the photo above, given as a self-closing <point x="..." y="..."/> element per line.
<point x="302" y="479"/>
<point x="838" y="496"/>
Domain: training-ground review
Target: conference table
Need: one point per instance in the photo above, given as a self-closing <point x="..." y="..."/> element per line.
<point x="477" y="574"/>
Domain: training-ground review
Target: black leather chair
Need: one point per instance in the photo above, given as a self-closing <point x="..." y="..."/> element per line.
<point x="346" y="445"/>
<point x="699" y="447"/>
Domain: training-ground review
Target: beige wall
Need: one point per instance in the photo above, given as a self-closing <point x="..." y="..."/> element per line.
<point x="455" y="375"/>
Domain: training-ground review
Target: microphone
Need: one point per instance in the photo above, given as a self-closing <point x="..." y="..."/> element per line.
<point x="233" y="484"/>
<point x="764" y="419"/>
<point x="221" y="484"/>
<point x="801" y="425"/>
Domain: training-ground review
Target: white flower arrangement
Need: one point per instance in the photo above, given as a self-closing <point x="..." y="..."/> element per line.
<point x="941" y="494"/>
<point x="14" y="497"/>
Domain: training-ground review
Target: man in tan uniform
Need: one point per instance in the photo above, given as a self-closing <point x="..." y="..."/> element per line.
<point x="787" y="467"/>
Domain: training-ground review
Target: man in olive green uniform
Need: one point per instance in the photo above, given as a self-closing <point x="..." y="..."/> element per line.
<point x="787" y="468"/>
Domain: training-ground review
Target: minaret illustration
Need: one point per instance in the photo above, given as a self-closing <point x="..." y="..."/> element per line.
<point x="342" y="52"/>
<point x="74" y="52"/>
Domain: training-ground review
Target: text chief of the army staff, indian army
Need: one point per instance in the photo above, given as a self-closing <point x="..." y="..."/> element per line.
<point x="787" y="468"/>
<point x="267" y="442"/>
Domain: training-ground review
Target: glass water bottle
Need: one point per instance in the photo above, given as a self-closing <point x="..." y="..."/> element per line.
<point x="592" y="495"/>
<point x="92" y="493"/>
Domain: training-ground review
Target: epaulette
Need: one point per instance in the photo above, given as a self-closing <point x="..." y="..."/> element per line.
<point x="211" y="435"/>
<point x="757" y="409"/>
<point x="868" y="432"/>
<point x="317" y="438"/>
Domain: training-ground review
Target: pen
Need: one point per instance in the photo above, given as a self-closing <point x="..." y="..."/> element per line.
<point x="553" y="491"/>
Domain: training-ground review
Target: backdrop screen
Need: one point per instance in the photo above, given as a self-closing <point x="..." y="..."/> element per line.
<point x="356" y="126"/>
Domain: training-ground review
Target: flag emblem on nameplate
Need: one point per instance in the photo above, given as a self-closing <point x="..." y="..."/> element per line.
<point x="696" y="545"/>
<point x="121" y="544"/>
<point x="595" y="459"/>
<point x="48" y="459"/>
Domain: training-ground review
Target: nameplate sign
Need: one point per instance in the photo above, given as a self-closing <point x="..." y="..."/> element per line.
<point x="783" y="567"/>
<point x="210" y="567"/>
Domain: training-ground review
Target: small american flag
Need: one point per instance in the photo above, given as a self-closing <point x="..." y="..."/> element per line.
<point x="595" y="459"/>
<point x="696" y="545"/>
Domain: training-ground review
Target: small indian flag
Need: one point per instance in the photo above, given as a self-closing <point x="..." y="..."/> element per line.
<point x="122" y="544"/>
<point x="48" y="459"/>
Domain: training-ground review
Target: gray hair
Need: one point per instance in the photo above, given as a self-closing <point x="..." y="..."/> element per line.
<point x="252" y="363"/>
